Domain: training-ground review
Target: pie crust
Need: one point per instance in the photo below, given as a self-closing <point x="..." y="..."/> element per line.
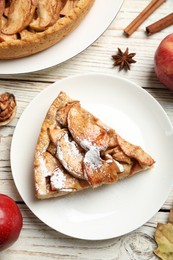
<point x="75" y="151"/>
<point x="28" y="40"/>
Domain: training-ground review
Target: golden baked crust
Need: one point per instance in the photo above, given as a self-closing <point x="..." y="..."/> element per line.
<point x="31" y="42"/>
<point x="75" y="151"/>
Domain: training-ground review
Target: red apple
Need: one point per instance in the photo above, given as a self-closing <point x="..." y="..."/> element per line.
<point x="163" y="61"/>
<point x="10" y="221"/>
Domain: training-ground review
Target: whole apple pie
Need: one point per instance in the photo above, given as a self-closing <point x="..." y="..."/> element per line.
<point x="75" y="151"/>
<point x="31" y="26"/>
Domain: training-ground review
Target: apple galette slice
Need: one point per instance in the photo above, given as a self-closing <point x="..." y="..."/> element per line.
<point x="75" y="151"/>
<point x="30" y="26"/>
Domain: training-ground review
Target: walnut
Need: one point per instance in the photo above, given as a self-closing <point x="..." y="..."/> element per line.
<point x="7" y="108"/>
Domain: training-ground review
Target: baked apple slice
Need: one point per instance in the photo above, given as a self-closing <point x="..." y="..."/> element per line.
<point x="70" y="155"/>
<point x="55" y="133"/>
<point x="134" y="151"/>
<point x="29" y="18"/>
<point x="84" y="129"/>
<point x="62" y="113"/>
<point x="2" y="8"/>
<point x="5" y="37"/>
<point x="70" y="4"/>
<point x="61" y="180"/>
<point x="117" y="154"/>
<point x="48" y="13"/>
<point x="19" y="16"/>
<point x="98" y="171"/>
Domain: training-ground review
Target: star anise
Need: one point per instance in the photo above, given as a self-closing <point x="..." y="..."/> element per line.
<point x="123" y="59"/>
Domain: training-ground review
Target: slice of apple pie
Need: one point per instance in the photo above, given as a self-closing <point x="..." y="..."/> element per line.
<point x="75" y="151"/>
<point x="30" y="26"/>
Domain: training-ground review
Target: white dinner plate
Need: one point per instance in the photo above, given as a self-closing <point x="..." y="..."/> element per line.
<point x="94" y="24"/>
<point x="111" y="210"/>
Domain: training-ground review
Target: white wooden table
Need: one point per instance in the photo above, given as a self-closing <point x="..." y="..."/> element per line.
<point x="38" y="241"/>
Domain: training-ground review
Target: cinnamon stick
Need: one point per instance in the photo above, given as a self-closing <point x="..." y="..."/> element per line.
<point x="149" y="9"/>
<point x="160" y="24"/>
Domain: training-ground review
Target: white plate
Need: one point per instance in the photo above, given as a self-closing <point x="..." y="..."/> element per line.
<point x="111" y="210"/>
<point x="95" y="23"/>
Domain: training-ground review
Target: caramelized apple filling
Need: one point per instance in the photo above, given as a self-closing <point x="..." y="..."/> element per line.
<point x="20" y="19"/>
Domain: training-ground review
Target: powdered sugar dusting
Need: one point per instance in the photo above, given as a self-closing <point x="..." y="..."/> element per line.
<point x="73" y="148"/>
<point x="39" y="190"/>
<point x="87" y="144"/>
<point x="70" y="156"/>
<point x="92" y="158"/>
<point x="58" y="179"/>
<point x="44" y="168"/>
<point x="120" y="166"/>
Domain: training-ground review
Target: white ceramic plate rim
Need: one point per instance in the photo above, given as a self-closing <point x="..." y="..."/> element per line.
<point x="84" y="35"/>
<point x="132" y="201"/>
